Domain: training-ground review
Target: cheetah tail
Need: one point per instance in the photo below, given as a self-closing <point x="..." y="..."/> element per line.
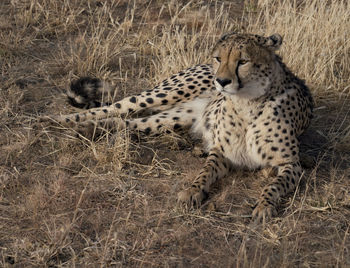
<point x="89" y="92"/>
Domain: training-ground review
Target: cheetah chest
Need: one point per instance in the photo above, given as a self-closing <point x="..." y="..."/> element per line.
<point x="226" y="128"/>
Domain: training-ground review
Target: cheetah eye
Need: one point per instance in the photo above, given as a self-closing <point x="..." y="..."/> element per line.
<point x="242" y="62"/>
<point x="218" y="59"/>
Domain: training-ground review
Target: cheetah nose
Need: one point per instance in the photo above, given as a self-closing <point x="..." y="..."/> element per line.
<point x="223" y="82"/>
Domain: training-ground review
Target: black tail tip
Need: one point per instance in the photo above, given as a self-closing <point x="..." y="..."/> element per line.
<point x="85" y="86"/>
<point x="83" y="92"/>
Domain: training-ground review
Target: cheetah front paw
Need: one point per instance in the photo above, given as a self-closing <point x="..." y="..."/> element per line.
<point x="263" y="211"/>
<point x="191" y="197"/>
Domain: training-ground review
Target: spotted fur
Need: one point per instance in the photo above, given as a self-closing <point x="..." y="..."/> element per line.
<point x="248" y="107"/>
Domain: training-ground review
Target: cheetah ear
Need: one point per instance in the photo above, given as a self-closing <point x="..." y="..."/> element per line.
<point x="273" y="42"/>
<point x="226" y="36"/>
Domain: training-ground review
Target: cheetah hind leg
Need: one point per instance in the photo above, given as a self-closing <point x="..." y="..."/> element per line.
<point x="94" y="128"/>
<point x="180" y="117"/>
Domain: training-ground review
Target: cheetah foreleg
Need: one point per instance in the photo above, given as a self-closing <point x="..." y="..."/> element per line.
<point x="288" y="176"/>
<point x="215" y="167"/>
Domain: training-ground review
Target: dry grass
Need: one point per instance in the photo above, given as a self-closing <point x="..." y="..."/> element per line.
<point x="66" y="202"/>
<point x="316" y="35"/>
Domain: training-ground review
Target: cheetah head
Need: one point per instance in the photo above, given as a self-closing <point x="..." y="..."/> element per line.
<point x="245" y="64"/>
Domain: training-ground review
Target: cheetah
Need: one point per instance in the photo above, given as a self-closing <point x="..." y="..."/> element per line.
<point x="247" y="106"/>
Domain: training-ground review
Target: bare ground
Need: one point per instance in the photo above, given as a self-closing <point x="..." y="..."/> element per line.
<point x="67" y="202"/>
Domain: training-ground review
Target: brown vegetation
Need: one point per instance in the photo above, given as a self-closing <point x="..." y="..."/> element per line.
<point x="67" y="202"/>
